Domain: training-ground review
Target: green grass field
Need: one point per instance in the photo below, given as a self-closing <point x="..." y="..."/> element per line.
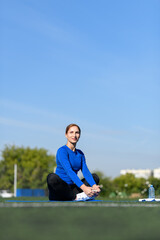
<point x="96" y="223"/>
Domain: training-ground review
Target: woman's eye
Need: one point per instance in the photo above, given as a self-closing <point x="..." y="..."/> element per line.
<point x="73" y="132"/>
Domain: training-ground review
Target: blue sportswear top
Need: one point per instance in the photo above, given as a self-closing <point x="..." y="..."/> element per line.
<point x="68" y="165"/>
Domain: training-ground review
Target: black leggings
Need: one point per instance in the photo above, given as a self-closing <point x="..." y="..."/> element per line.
<point x="61" y="191"/>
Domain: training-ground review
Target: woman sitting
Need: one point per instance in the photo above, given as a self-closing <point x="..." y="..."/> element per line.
<point x="64" y="184"/>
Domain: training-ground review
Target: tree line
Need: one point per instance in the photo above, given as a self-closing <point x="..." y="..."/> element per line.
<point x="127" y="185"/>
<point x="35" y="164"/>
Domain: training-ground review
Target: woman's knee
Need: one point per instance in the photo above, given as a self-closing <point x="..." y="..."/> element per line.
<point x="51" y="178"/>
<point x="96" y="178"/>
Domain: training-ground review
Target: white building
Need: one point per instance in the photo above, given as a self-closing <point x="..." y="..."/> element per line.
<point x="156" y="173"/>
<point x="139" y="173"/>
<point x="6" y="194"/>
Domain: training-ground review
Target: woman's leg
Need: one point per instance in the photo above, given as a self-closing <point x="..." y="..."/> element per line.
<point x="95" y="177"/>
<point x="58" y="189"/>
<point x="77" y="190"/>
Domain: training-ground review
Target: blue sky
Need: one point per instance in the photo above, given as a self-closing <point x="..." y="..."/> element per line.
<point x="95" y="63"/>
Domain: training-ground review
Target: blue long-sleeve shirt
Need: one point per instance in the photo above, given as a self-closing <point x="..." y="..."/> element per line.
<point x="68" y="165"/>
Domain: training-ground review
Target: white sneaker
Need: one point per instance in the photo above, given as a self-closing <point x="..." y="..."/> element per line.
<point x="83" y="197"/>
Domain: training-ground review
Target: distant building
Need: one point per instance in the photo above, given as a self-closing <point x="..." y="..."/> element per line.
<point x="6" y="194"/>
<point x="156" y="173"/>
<point x="139" y="173"/>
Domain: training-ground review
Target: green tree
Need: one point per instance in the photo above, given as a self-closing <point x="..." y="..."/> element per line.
<point x="130" y="184"/>
<point x="106" y="183"/>
<point x="33" y="167"/>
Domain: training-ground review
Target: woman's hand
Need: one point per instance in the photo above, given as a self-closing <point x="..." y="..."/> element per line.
<point x="96" y="189"/>
<point x="91" y="191"/>
<point x="87" y="190"/>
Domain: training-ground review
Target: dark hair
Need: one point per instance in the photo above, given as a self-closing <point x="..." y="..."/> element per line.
<point x="72" y="125"/>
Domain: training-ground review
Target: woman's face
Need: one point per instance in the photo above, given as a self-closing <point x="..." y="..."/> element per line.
<point x="73" y="135"/>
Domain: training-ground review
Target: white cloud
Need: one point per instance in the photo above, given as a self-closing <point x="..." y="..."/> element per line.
<point x="8" y="104"/>
<point x="30" y="18"/>
<point x="144" y="130"/>
<point x="52" y="119"/>
<point x="27" y="125"/>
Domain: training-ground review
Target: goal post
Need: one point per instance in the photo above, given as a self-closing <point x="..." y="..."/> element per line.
<point x="15" y="180"/>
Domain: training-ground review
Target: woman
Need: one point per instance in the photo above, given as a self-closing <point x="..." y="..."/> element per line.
<point x="64" y="184"/>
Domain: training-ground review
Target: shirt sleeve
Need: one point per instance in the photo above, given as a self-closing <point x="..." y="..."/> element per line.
<point x="86" y="173"/>
<point x="64" y="161"/>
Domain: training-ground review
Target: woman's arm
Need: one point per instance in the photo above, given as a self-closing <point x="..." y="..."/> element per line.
<point x="63" y="159"/>
<point x="94" y="189"/>
<point x="86" y="173"/>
